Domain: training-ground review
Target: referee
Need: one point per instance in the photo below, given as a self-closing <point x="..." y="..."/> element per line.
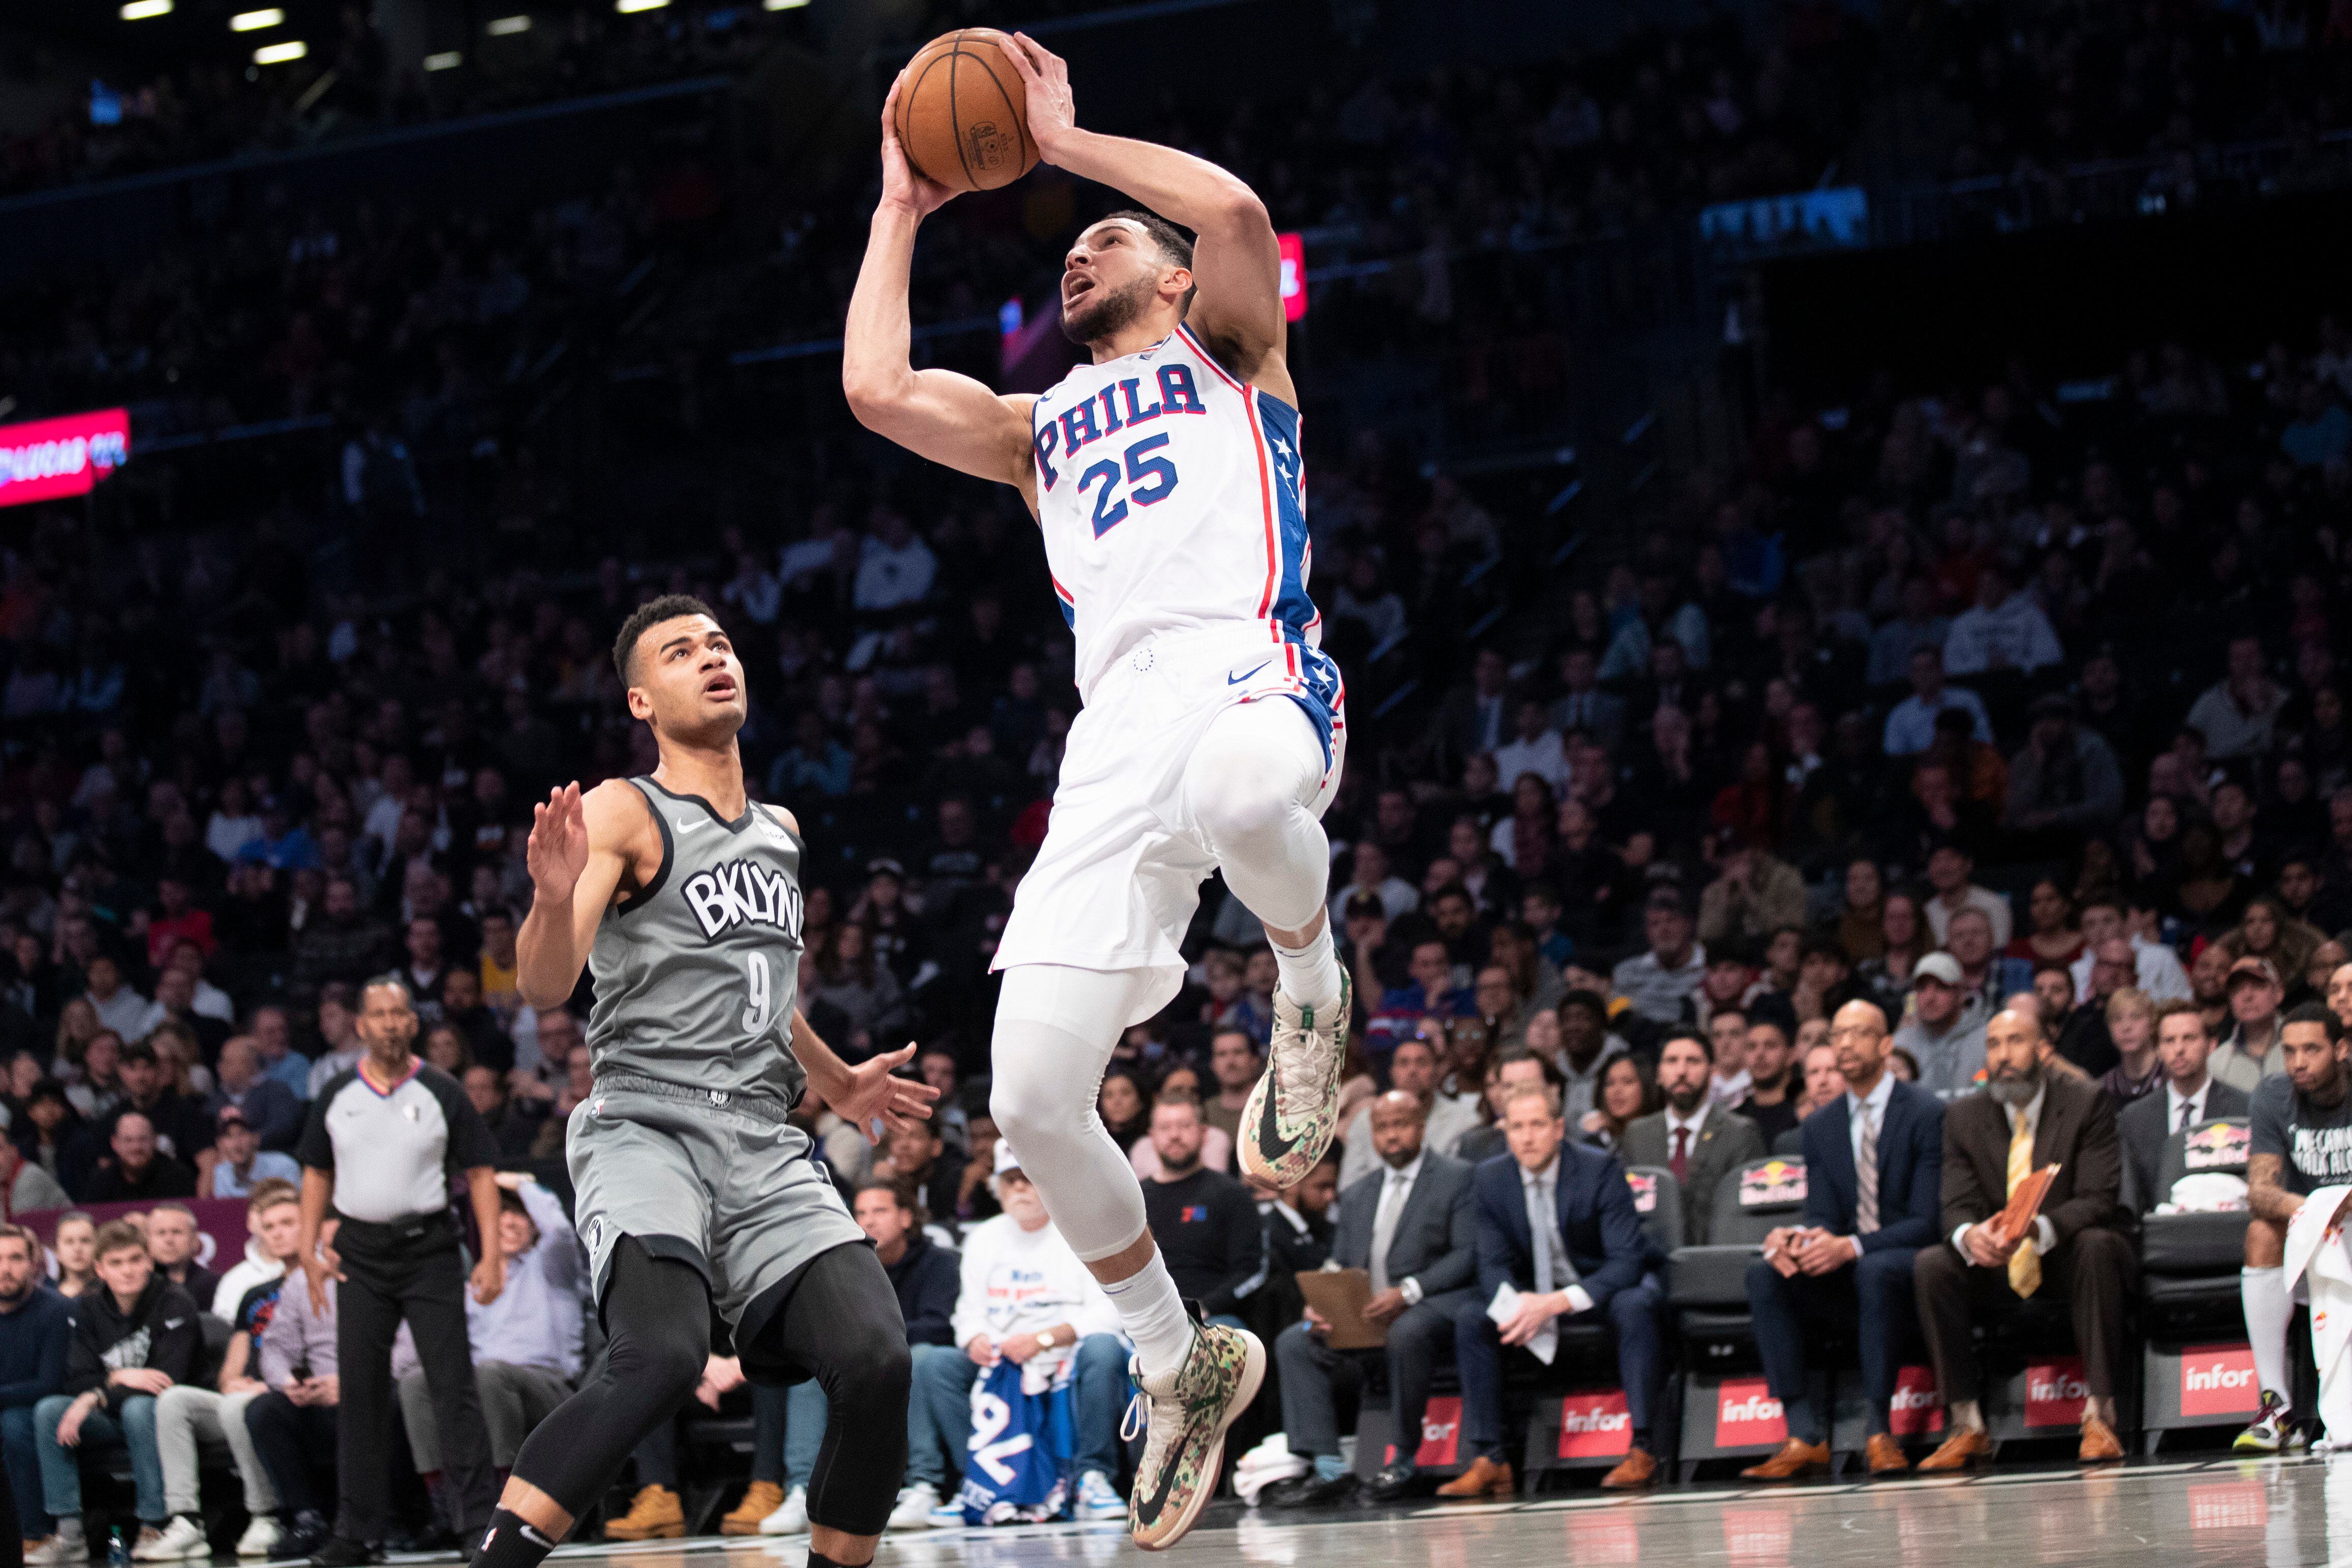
<point x="385" y="1139"/>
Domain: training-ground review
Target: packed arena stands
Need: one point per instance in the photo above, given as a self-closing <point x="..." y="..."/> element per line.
<point x="1970" y="686"/>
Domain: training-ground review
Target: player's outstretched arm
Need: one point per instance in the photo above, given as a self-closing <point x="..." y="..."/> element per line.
<point x="1236" y="260"/>
<point x="578" y="850"/>
<point x="948" y="418"/>
<point x="868" y="1092"/>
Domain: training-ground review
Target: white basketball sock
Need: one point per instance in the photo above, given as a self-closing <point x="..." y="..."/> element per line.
<point x="1310" y="974"/>
<point x="1153" y="1314"/>
<point x="2263" y="1293"/>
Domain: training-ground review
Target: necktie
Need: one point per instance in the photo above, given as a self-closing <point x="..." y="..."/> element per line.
<point x="2025" y="1263"/>
<point x="1866" y="1178"/>
<point x="1541" y="1226"/>
<point x="1679" y="1163"/>
<point x="1384" y="1224"/>
<point x="2187" y="1111"/>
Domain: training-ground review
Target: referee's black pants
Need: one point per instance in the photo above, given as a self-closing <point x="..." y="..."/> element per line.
<point x="410" y="1269"/>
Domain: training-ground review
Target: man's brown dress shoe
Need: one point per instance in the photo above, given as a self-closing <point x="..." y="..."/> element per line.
<point x="1795" y="1458"/>
<point x="1885" y="1456"/>
<point x="1484" y="1478"/>
<point x="1635" y="1471"/>
<point x="2099" y="1444"/>
<point x="1960" y="1451"/>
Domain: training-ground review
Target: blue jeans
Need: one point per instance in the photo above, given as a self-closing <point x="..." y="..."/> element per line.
<point x="135" y="1428"/>
<point x="807" y="1413"/>
<point x="939" y="1416"/>
<point x="23" y="1457"/>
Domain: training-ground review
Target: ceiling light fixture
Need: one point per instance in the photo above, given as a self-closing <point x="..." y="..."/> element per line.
<point x="254" y="21"/>
<point x="279" y="54"/>
<point x="141" y="10"/>
<point x="507" y="27"/>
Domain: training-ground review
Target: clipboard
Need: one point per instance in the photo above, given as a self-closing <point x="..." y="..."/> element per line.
<point x="1340" y="1296"/>
<point x="2017" y="1217"/>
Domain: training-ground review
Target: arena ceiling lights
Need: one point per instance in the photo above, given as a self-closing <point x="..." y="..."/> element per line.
<point x="626" y="6"/>
<point x="145" y="10"/>
<point x="508" y="27"/>
<point x="255" y="21"/>
<point x="281" y="54"/>
<point x="782" y="5"/>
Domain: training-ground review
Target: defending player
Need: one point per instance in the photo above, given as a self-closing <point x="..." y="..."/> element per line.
<point x="683" y="896"/>
<point x="1166" y="477"/>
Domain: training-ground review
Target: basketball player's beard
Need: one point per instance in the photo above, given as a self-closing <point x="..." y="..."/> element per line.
<point x="1112" y="314"/>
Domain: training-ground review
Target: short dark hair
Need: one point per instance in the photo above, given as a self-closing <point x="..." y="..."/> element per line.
<point x="653" y="612"/>
<point x="1696" y="1037"/>
<point x="1166" y="235"/>
<point x="2318" y="1013"/>
<point x="901" y="1192"/>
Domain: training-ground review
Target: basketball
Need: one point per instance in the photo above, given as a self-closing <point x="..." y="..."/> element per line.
<point x="963" y="115"/>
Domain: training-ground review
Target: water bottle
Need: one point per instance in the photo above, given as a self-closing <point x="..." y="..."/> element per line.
<point x="118" y="1555"/>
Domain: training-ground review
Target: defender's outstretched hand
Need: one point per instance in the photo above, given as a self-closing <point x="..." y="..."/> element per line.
<point x="901" y="186"/>
<point x="867" y="1090"/>
<point x="1053" y="111"/>
<point x="558" y="849"/>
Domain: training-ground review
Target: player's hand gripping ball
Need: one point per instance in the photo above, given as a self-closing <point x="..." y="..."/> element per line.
<point x="961" y="112"/>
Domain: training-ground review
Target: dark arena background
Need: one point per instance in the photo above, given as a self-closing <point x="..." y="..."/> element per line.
<point x="1814" y="503"/>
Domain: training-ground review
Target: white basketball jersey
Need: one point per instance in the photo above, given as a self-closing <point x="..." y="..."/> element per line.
<point x="1172" y="499"/>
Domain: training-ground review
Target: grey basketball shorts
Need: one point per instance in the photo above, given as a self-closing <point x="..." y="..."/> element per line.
<point x="718" y="1181"/>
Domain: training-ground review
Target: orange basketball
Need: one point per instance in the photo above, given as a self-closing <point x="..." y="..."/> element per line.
<point x="962" y="116"/>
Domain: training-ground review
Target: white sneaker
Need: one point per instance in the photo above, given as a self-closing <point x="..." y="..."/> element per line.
<point x="791" y="1518"/>
<point x="260" y="1538"/>
<point x="1098" y="1498"/>
<point x="180" y="1538"/>
<point x="63" y="1547"/>
<point x="948" y="1515"/>
<point x="915" y="1505"/>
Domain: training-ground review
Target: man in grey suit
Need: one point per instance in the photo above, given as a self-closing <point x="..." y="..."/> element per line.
<point x="2189" y="1095"/>
<point x="1410" y="1226"/>
<point x="1697" y="1140"/>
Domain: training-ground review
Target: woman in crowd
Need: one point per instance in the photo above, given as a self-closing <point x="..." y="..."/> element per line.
<point x="2156" y="841"/>
<point x="849" y="978"/>
<point x="1904" y="939"/>
<point x="2268" y="931"/>
<point x="2053" y="936"/>
<point x="445" y="1047"/>
<point x="1861" y="919"/>
<point x="1124" y="1107"/>
<point x="77" y="1253"/>
<point x="1628" y="1090"/>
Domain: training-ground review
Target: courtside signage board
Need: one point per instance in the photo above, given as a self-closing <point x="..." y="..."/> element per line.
<point x="45" y="459"/>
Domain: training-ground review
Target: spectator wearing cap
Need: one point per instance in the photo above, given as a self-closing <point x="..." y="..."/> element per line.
<point x="1911" y="727"/>
<point x="268" y="1106"/>
<point x="1940" y="1034"/>
<point x="1660" y="982"/>
<point x="1949" y="868"/>
<point x="2063" y="784"/>
<point x="239" y="1161"/>
<point x="1755" y="893"/>
<point x="2249" y="1053"/>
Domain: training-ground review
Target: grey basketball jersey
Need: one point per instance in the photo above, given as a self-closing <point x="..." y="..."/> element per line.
<point x="697" y="973"/>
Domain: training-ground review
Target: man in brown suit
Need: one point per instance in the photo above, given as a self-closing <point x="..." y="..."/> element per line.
<point x="2026" y="1118"/>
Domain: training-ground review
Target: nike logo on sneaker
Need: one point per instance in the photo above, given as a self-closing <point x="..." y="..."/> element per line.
<point x="1245" y="674"/>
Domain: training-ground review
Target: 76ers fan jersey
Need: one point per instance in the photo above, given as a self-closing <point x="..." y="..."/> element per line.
<point x="1173" y="501"/>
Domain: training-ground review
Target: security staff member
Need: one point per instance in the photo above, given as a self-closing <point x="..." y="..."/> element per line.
<point x="385" y="1140"/>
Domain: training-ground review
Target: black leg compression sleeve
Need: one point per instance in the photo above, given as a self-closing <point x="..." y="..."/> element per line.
<point x="842" y="1324"/>
<point x="657" y="1311"/>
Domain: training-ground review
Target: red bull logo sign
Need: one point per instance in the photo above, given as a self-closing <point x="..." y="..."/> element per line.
<point x="2218" y="1145"/>
<point x="1646" y="1192"/>
<point x="1771" y="1183"/>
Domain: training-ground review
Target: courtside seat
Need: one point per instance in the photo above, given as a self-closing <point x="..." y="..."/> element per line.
<point x="1658" y="1200"/>
<point x="1708" y="1285"/>
<point x="2189" y="1262"/>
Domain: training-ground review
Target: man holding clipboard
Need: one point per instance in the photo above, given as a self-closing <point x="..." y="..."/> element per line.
<point x="1999" y="1144"/>
<point x="1407" y="1250"/>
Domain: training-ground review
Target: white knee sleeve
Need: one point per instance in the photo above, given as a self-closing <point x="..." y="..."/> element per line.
<point x="1254" y="785"/>
<point x="1056" y="1027"/>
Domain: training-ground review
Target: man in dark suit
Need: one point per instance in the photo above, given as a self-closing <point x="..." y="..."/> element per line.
<point x="1410" y="1227"/>
<point x="2026" y="1117"/>
<point x="1698" y="1140"/>
<point x="1556" y="1224"/>
<point x="1873" y="1167"/>
<point x="1478" y="717"/>
<point x="2189" y="1095"/>
<point x="1582" y="705"/>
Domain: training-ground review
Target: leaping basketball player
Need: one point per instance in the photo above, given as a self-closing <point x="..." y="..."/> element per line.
<point x="1166" y="475"/>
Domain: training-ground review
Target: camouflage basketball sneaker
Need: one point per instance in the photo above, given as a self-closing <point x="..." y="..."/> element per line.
<point x="1287" y="1125"/>
<point x="1185" y="1414"/>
